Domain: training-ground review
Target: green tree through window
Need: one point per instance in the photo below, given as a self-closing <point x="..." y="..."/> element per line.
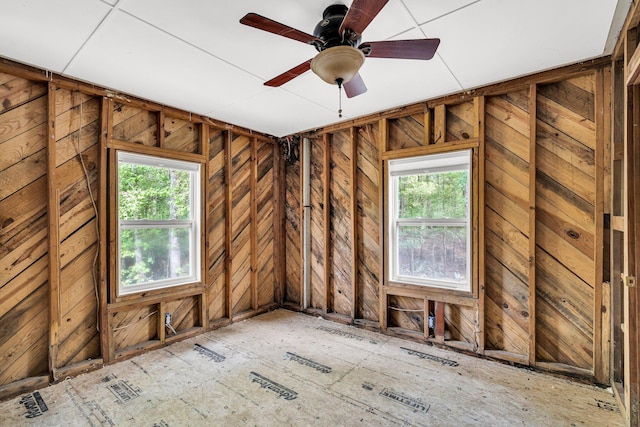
<point x="158" y="220"/>
<point x="429" y="204"/>
<point x="436" y="195"/>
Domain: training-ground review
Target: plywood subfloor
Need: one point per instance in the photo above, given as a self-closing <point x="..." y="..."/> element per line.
<point x="289" y="369"/>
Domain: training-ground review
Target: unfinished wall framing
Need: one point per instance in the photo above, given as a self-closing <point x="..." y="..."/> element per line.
<point x="59" y="311"/>
<point x="623" y="236"/>
<point x="539" y="294"/>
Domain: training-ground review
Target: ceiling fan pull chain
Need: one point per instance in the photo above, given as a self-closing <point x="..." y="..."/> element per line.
<point x="339" y="82"/>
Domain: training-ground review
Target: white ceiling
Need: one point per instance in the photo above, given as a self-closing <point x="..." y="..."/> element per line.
<point x="196" y="56"/>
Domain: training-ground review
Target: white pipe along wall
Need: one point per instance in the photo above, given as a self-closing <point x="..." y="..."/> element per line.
<point x="306" y="203"/>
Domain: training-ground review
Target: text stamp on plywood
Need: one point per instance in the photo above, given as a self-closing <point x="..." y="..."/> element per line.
<point x="34" y="404"/>
<point x="268" y="384"/>
<point x="209" y="353"/>
<point x="307" y="362"/>
<point x="416" y="404"/>
<point x="422" y="355"/>
<point x="123" y="392"/>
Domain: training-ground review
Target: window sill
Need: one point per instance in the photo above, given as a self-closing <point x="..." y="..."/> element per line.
<point x="448" y="296"/>
<point x="154" y="296"/>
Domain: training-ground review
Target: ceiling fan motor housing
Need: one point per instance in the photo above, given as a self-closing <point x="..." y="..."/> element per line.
<point x="328" y="30"/>
<point x="337" y="39"/>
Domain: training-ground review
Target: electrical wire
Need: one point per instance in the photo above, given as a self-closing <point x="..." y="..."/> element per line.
<point x="94" y="273"/>
<point x="136" y="321"/>
<point x="168" y="325"/>
<point x="406" y="309"/>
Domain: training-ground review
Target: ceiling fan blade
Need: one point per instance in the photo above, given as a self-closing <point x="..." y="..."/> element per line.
<point x="355" y="86"/>
<point x="401" y="49"/>
<point x="260" y="22"/>
<point x="289" y="75"/>
<point x="360" y="15"/>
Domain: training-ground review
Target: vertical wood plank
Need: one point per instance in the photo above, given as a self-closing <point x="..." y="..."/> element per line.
<point x="254" y="225"/>
<point x="532" y="223"/>
<point x="384" y="313"/>
<point x="228" y="220"/>
<point x="440" y="327"/>
<point x="426" y="318"/>
<point x="204" y="222"/>
<point x="598" y="254"/>
<point x="113" y="238"/>
<point x="53" y="213"/>
<point x="113" y="220"/>
<point x="161" y="134"/>
<point x="440" y="124"/>
<point x="326" y="180"/>
<point x="428" y="127"/>
<point x="106" y="116"/>
<point x="301" y="229"/>
<point x="608" y="138"/>
<point x="478" y="223"/>
<point x="631" y="120"/>
<point x="607" y="199"/>
<point x="606" y="334"/>
<point x="478" y="119"/>
<point x="381" y="218"/>
<point x="162" y="329"/>
<point x="353" y="188"/>
<point x="617" y="158"/>
<point x="279" y="235"/>
<point x="384" y="221"/>
<point x="384" y="136"/>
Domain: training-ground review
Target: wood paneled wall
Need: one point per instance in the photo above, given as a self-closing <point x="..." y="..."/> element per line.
<point x="59" y="312"/>
<point x="538" y="208"/>
<point x="538" y="198"/>
<point x="24" y="244"/>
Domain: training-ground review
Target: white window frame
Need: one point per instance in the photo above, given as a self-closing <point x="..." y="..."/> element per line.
<point x="193" y="224"/>
<point x="441" y="162"/>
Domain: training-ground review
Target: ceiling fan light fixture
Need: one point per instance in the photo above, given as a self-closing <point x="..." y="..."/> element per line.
<point x="338" y="63"/>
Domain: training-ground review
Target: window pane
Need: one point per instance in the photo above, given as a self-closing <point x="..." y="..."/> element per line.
<point x="154" y="193"/>
<point x="433" y="195"/>
<point x="152" y="254"/>
<point x="430" y="252"/>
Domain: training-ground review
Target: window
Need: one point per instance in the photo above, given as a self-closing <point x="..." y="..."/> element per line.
<point x="429" y="220"/>
<point x="158" y="222"/>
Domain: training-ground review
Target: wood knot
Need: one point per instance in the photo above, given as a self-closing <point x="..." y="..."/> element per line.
<point x="572" y="233"/>
<point x="465" y="135"/>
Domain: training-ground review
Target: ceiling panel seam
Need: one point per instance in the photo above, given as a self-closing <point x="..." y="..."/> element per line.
<point x="448" y="13"/>
<point x="188" y="43"/>
<point x="419" y="26"/>
<point x="105" y="19"/>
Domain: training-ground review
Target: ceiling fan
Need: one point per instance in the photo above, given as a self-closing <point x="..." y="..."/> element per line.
<point x="337" y="37"/>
